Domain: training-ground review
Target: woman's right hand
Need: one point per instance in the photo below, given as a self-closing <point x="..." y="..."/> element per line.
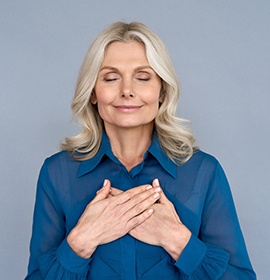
<point x="107" y="218"/>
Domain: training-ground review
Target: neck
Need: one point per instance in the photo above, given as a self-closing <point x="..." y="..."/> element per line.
<point x="129" y="145"/>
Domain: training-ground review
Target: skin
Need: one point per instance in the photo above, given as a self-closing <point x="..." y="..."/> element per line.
<point x="127" y="94"/>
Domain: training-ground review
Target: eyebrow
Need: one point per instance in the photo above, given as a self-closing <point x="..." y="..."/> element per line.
<point x="116" y="69"/>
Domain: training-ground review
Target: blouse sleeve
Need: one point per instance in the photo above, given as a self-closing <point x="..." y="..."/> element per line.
<point x="50" y="255"/>
<point x="219" y="251"/>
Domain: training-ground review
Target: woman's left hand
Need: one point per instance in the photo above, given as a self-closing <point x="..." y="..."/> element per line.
<point x="164" y="228"/>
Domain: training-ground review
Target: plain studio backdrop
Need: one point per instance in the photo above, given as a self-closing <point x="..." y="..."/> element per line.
<point x="220" y="50"/>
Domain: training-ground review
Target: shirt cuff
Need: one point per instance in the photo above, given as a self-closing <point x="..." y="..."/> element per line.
<point x="191" y="256"/>
<point x="70" y="260"/>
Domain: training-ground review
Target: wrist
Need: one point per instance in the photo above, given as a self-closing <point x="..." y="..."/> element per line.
<point x="177" y="241"/>
<point x="79" y="245"/>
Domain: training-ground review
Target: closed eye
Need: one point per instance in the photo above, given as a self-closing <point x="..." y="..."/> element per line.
<point x="143" y="76"/>
<point x="143" y="79"/>
<point x="111" y="77"/>
<point x="110" y="80"/>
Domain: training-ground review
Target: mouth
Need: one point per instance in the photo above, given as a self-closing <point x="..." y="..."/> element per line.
<point x="127" y="108"/>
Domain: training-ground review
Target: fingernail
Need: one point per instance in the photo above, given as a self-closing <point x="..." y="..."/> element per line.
<point x="156" y="181"/>
<point x="150" y="211"/>
<point x="158" y="189"/>
<point x="105" y="182"/>
<point x="149" y="187"/>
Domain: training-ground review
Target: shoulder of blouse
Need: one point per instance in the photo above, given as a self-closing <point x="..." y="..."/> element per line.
<point x="201" y="159"/>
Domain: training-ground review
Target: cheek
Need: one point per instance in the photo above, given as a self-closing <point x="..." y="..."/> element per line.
<point x="101" y="106"/>
<point x="153" y="107"/>
<point x="102" y="111"/>
<point x="154" y="98"/>
<point x="103" y="96"/>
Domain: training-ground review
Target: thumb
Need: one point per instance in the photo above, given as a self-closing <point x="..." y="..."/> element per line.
<point x="103" y="192"/>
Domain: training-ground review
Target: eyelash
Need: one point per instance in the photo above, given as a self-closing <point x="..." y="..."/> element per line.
<point x="140" y="79"/>
<point x="110" y="80"/>
<point x="114" y="79"/>
<point x="144" y="79"/>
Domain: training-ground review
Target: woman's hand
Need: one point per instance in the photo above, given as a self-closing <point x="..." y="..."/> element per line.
<point x="163" y="228"/>
<point x="107" y="217"/>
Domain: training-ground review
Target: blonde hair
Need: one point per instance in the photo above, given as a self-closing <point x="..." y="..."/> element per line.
<point x="174" y="135"/>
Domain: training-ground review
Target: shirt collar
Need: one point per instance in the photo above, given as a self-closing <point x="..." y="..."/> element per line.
<point x="105" y="149"/>
<point x="88" y="165"/>
<point x="156" y="151"/>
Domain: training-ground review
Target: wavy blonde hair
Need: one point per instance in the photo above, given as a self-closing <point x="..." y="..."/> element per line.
<point x="174" y="134"/>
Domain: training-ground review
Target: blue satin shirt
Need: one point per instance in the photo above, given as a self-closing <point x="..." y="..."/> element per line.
<point x="198" y="189"/>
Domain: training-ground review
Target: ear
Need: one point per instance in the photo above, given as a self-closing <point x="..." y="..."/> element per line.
<point x="93" y="98"/>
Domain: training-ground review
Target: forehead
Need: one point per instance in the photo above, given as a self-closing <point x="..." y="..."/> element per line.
<point x="125" y="51"/>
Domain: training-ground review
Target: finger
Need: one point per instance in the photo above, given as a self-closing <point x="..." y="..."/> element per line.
<point x="131" y="193"/>
<point x="103" y="192"/>
<point x="163" y="198"/>
<point x="140" y="203"/>
<point x="139" y="219"/>
<point x="115" y="192"/>
<point x="155" y="183"/>
<point x="131" y="205"/>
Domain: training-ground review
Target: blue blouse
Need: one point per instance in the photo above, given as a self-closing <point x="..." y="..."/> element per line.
<point x="198" y="189"/>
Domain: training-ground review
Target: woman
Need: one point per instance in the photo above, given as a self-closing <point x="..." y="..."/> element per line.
<point x="130" y="197"/>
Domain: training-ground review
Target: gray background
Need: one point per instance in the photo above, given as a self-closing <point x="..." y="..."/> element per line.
<point x="221" y="52"/>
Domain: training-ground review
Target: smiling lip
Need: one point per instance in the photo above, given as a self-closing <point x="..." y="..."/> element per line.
<point x="130" y="108"/>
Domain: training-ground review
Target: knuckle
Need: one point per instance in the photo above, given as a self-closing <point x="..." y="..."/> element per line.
<point x="139" y="208"/>
<point x="128" y="195"/>
<point x="137" y="200"/>
<point x="135" y="222"/>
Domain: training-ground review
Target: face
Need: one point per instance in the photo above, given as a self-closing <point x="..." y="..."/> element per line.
<point x="127" y="90"/>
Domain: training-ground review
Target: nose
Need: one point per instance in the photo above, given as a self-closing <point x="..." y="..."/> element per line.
<point x="126" y="90"/>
